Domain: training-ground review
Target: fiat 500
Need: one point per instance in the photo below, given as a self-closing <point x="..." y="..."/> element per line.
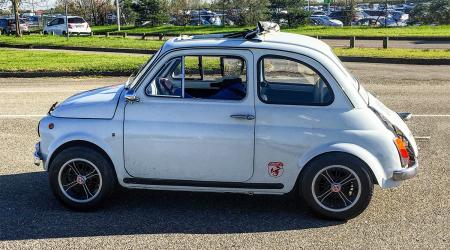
<point x="256" y="112"/>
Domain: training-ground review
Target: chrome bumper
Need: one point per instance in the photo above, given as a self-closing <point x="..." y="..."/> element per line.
<point x="37" y="154"/>
<point x="405" y="174"/>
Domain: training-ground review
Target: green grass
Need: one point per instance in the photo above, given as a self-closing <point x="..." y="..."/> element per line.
<point x="443" y="30"/>
<point x="13" y="60"/>
<point x="97" y="42"/>
<point x="16" y="60"/>
<point x="119" y="42"/>
<point x="394" y="53"/>
<point x="410" y="31"/>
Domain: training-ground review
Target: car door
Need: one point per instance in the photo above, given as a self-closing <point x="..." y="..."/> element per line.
<point x="194" y="138"/>
<point x="51" y="25"/>
<point x="295" y="106"/>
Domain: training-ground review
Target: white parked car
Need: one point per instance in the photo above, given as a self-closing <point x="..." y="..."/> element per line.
<point x="325" y="21"/>
<point x="75" y="25"/>
<point x="262" y="112"/>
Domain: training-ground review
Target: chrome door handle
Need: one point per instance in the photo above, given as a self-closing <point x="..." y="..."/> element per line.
<point x="243" y="117"/>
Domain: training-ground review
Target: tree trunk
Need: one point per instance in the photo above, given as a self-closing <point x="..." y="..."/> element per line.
<point x="17" y="17"/>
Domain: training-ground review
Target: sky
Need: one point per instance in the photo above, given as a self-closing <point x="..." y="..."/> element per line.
<point x="39" y="4"/>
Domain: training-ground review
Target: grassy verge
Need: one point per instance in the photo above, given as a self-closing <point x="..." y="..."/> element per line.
<point x="428" y="31"/>
<point x="97" y="42"/>
<point x="410" y="31"/>
<point x="12" y="60"/>
<point x="16" y="60"/>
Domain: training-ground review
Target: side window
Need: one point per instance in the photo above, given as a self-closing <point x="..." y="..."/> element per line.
<point x="205" y="77"/>
<point x="61" y="21"/>
<point x="167" y="81"/>
<point x="53" y="22"/>
<point x="287" y="81"/>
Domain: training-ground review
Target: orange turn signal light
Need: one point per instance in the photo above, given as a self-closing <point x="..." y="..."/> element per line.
<point x="401" y="147"/>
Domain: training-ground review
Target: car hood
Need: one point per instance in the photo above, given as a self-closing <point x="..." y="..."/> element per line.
<point x="394" y="119"/>
<point x="98" y="103"/>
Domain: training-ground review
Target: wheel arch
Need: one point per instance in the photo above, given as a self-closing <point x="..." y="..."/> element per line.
<point x="80" y="143"/>
<point x="374" y="167"/>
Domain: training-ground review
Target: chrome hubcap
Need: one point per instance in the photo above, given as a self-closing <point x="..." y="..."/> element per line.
<point x="80" y="180"/>
<point x="336" y="188"/>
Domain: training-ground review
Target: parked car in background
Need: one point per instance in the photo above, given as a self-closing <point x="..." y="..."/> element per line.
<point x="76" y="25"/>
<point x="340" y="15"/>
<point x="390" y="22"/>
<point x="369" y="21"/>
<point x="325" y="21"/>
<point x="34" y="22"/>
<point x="399" y="16"/>
<point x="318" y="13"/>
<point x="8" y="25"/>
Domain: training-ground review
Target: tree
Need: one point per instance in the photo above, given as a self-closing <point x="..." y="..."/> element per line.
<point x="94" y="11"/>
<point x="349" y="12"/>
<point x="127" y="14"/>
<point x="243" y="12"/>
<point x="255" y="11"/>
<point x="290" y="12"/>
<point x="434" y="12"/>
<point x="179" y="9"/>
<point x="152" y="11"/>
<point x="15" y="7"/>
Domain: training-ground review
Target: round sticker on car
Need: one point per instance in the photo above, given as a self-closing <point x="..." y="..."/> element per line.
<point x="275" y="168"/>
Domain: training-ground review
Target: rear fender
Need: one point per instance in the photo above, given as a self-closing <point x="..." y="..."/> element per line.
<point x="353" y="149"/>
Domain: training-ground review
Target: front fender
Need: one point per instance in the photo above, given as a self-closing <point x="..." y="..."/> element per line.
<point x="353" y="149"/>
<point x="77" y="136"/>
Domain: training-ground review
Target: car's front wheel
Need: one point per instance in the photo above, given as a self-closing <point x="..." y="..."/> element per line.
<point x="337" y="186"/>
<point x="81" y="178"/>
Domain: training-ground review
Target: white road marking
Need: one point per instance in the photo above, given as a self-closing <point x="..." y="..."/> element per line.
<point x="41" y="91"/>
<point x="19" y="116"/>
<point x="430" y="115"/>
<point x="422" y="138"/>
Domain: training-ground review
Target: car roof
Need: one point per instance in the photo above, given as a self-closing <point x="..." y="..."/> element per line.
<point x="268" y="40"/>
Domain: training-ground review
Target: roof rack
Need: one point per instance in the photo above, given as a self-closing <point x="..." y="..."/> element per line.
<point x="261" y="28"/>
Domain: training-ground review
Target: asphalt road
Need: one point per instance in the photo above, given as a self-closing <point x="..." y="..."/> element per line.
<point x="404" y="44"/>
<point x="415" y="215"/>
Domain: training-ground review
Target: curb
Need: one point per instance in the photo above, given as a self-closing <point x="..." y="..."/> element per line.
<point x="399" y="38"/>
<point x="417" y="61"/>
<point x="59" y="74"/>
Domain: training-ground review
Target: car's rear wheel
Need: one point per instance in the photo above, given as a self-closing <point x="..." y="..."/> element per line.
<point x="81" y="178"/>
<point x="337" y="186"/>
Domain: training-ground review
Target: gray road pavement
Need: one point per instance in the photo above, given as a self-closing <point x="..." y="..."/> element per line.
<point x="405" y="44"/>
<point x="415" y="215"/>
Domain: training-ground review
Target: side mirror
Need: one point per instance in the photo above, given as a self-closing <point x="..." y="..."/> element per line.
<point x="130" y="96"/>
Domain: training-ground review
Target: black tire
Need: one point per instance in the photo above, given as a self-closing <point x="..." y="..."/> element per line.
<point x="45" y="33"/>
<point x="99" y="186"/>
<point x="328" y="201"/>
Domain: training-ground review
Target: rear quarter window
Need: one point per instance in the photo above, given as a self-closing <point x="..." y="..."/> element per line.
<point x="76" y="20"/>
<point x="287" y="81"/>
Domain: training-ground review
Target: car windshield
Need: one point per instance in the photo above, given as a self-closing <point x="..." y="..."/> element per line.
<point x="139" y="71"/>
<point x="76" y="20"/>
